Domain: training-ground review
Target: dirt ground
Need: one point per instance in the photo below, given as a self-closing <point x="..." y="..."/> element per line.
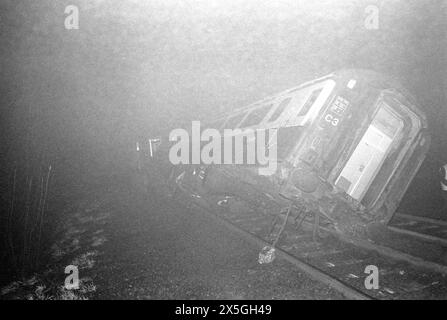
<point x="131" y="245"/>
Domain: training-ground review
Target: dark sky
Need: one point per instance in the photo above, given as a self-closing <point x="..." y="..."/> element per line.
<point x="137" y="66"/>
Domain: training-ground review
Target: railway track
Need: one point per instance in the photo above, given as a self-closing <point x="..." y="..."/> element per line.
<point x="338" y="262"/>
<point x="420" y="227"/>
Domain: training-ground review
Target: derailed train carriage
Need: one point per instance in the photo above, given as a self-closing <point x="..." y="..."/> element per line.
<point x="348" y="146"/>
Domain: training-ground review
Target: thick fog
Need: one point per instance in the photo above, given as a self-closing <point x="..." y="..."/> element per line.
<point x="80" y="97"/>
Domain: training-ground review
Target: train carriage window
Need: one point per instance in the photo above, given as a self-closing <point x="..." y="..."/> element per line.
<point x="309" y="102"/>
<point x="304" y="104"/>
<point x="280" y="109"/>
<point x="256" y="116"/>
<point x="371" y="152"/>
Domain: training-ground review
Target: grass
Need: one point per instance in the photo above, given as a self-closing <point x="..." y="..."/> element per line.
<point x="35" y="289"/>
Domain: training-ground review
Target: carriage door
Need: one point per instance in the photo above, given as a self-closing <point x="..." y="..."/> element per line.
<point x="369" y="155"/>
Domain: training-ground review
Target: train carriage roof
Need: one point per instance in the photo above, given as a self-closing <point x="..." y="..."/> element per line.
<point x="375" y="79"/>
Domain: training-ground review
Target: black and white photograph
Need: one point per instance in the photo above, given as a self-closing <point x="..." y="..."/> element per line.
<point x="225" y="156"/>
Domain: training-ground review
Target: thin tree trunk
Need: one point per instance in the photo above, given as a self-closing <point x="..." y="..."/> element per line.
<point x="25" y="228"/>
<point x="42" y="213"/>
<point x="10" y="224"/>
